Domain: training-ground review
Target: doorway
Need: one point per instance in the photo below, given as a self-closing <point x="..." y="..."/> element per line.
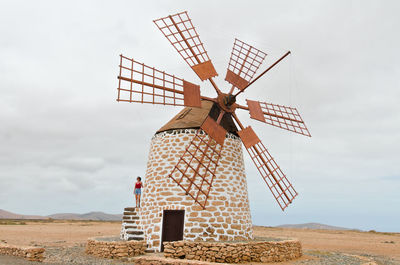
<point x="173" y="223"/>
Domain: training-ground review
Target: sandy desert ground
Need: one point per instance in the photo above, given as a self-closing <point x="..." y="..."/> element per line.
<point x="320" y="246"/>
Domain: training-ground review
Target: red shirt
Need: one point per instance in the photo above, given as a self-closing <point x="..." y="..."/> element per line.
<point x="138" y="185"/>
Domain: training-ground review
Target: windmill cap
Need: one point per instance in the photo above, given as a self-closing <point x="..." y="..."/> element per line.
<point x="192" y="118"/>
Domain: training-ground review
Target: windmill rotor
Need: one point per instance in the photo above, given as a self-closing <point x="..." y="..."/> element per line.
<point x="196" y="168"/>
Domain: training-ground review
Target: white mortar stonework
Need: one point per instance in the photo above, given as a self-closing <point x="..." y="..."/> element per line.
<point x="227" y="214"/>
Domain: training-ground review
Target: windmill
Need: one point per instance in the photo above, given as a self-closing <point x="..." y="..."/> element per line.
<point x="195" y="171"/>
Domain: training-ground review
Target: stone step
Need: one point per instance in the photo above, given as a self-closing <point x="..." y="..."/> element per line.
<point x="137" y="233"/>
<point x="131" y="217"/>
<point x="132" y="230"/>
<point x="130" y="213"/>
<point x="131" y="209"/>
<point x="129" y="222"/>
<point x="136" y="238"/>
<point x="149" y="251"/>
<point x="131" y="227"/>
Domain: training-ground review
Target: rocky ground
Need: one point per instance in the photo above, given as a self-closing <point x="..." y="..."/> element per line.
<point x="65" y="241"/>
<point x="76" y="255"/>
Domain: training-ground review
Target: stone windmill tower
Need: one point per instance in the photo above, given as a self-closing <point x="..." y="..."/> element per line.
<point x="195" y="185"/>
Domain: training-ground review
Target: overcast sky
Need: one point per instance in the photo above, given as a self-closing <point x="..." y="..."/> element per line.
<point x="66" y="145"/>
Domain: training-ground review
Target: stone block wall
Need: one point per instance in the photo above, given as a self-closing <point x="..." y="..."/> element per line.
<point x="28" y="253"/>
<point x="115" y="249"/>
<point x="154" y="260"/>
<point x="227" y="213"/>
<point x="231" y="252"/>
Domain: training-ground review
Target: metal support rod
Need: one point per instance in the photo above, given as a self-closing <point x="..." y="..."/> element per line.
<point x="215" y="86"/>
<point x="209" y="99"/>
<point x="262" y="159"/>
<point x="232" y="88"/>
<point x="221" y="114"/>
<point x="150" y="85"/>
<point x="159" y="87"/>
<point x="260" y="75"/>
<point x="238" y="121"/>
<point x="184" y="39"/>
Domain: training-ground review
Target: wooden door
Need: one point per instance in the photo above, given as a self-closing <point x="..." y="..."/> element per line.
<point x="173" y="223"/>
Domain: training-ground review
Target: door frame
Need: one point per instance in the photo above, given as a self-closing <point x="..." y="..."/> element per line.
<point x="163" y="227"/>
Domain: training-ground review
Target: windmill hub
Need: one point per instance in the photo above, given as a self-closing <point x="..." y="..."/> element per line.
<point x="227" y="102"/>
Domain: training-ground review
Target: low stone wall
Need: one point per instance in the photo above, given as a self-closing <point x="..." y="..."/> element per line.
<point x="152" y="260"/>
<point x="101" y="247"/>
<point x="29" y="253"/>
<point x="232" y="252"/>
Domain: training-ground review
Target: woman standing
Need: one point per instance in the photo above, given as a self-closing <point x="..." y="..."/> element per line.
<point x="138" y="190"/>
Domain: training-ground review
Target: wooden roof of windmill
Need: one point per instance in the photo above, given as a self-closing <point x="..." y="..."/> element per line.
<point x="193" y="118"/>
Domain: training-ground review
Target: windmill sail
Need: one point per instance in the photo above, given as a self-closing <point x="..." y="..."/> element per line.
<point x="243" y="64"/>
<point x="281" y="188"/>
<point x="195" y="170"/>
<point x="181" y="33"/>
<point x="143" y="84"/>
<point x="280" y="116"/>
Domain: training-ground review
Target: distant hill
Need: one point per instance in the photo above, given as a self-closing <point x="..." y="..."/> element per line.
<point x="9" y="215"/>
<point x="98" y="216"/>
<point x="313" y="226"/>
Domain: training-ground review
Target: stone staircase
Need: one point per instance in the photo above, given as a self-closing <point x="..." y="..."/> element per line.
<point x="130" y="225"/>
